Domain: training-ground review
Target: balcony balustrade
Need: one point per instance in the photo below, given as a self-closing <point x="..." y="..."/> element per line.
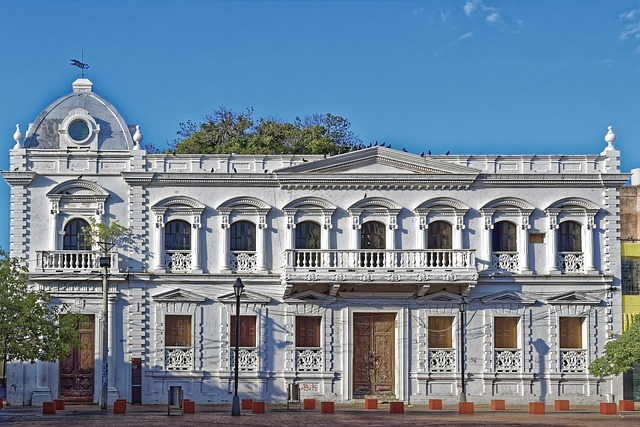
<point x="508" y="360"/>
<point x="570" y="262"/>
<point x="442" y="360"/>
<point x="573" y="361"/>
<point x="177" y="261"/>
<point x="308" y="359"/>
<point x="73" y="260"/>
<point x="178" y="358"/>
<point x="243" y="262"/>
<point x="247" y="359"/>
<point x="505" y="261"/>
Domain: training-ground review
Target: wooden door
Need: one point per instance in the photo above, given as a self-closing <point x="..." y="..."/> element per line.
<point x="77" y="370"/>
<point x="373" y="354"/>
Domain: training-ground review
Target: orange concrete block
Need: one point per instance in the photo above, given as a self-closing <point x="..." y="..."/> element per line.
<point x="465" y="408"/>
<point x="536" y="408"/>
<point x="498" y="405"/>
<point x="59" y="404"/>
<point x="48" y="408"/>
<point x="396" y="407"/>
<point x="608" y="409"/>
<point x="371" y="404"/>
<point x="309" y="404"/>
<point x="258" y="408"/>
<point x="623" y="405"/>
<point x="246" y="404"/>
<point x="435" y="404"/>
<point x="561" y="405"/>
<point x="119" y="406"/>
<point x="327" y="408"/>
<point x="189" y="407"/>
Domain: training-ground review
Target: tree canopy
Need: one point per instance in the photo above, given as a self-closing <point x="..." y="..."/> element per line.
<point x="619" y="354"/>
<point x="226" y="131"/>
<point x="30" y="327"/>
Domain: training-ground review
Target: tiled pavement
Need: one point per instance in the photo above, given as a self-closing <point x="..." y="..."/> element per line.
<point x="351" y="415"/>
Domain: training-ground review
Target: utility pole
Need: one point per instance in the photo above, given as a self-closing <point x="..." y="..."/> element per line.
<point x="105" y="262"/>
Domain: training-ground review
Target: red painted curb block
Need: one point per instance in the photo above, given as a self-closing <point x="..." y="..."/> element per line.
<point x="310" y="404"/>
<point x="435" y="404"/>
<point x="608" y="409"/>
<point x="396" y="407"/>
<point x="1" y="403"/>
<point x="371" y="404"/>
<point x="189" y="407"/>
<point x="48" y="408"/>
<point x="258" y="408"/>
<point x="498" y="405"/>
<point x="466" y="408"/>
<point x="536" y="408"/>
<point x="119" y="406"/>
<point x="327" y="408"/>
<point x="246" y="404"/>
<point x="561" y="405"/>
<point x="623" y="405"/>
<point x="59" y="404"/>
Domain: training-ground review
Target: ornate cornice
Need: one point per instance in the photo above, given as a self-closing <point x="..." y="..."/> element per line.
<point x="18" y="178"/>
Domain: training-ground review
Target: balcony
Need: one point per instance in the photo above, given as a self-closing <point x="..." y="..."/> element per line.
<point x="247" y="359"/>
<point x="308" y="359"/>
<point x="442" y="360"/>
<point x="177" y="261"/>
<point x="178" y="358"/>
<point x="573" y="361"/>
<point x="77" y="261"/>
<point x="508" y="360"/>
<point x="243" y="262"/>
<point x="505" y="261"/>
<point x="570" y="262"/>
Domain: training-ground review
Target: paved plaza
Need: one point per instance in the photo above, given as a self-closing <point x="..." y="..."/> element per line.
<point x="352" y="415"/>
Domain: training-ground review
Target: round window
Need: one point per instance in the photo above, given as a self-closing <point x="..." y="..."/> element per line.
<point x="79" y="131"/>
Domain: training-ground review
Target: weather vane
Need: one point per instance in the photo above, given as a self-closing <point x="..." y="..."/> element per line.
<point x="80" y="64"/>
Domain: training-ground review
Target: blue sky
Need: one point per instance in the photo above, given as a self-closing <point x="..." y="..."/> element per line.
<point x="467" y="76"/>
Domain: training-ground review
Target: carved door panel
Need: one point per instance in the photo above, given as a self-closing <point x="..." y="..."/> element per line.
<point x="373" y="356"/>
<point x="77" y="369"/>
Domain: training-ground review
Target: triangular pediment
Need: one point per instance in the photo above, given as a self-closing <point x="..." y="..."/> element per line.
<point x="508" y="298"/>
<point x="573" y="297"/>
<point x="309" y="296"/>
<point x="378" y="160"/>
<point x="441" y="297"/>
<point x="179" y="295"/>
<point x="246" y="297"/>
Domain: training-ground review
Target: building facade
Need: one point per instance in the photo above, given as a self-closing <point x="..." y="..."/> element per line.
<point x="375" y="272"/>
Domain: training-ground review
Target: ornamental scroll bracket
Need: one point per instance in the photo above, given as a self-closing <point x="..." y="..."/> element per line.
<point x="393" y="224"/>
<point x="327" y="222"/>
<point x="291" y="224"/>
<point x="55" y="208"/>
<point x="591" y="223"/>
<point x="262" y="222"/>
<point x="460" y="223"/>
<point x="225" y="221"/>
<point x="100" y="209"/>
<point x="196" y="221"/>
<point x="423" y="222"/>
<point x="355" y="221"/>
<point x="488" y="221"/>
<point x="525" y="222"/>
<point x="159" y="217"/>
<point x="553" y="222"/>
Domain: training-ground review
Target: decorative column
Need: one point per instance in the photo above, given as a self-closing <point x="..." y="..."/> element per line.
<point x="42" y="392"/>
<point x="113" y="391"/>
<point x="391" y="233"/>
<point x="457" y="237"/>
<point x="486" y="237"/>
<point x="523" y="238"/>
<point x="158" y="247"/>
<point x="421" y="231"/>
<point x="325" y="239"/>
<point x="53" y="226"/>
<point x="355" y="233"/>
<point x="196" y="267"/>
<point x="552" y="246"/>
<point x="588" y="245"/>
<point x="290" y="233"/>
<point x="260" y="244"/>
<point x="224" y="243"/>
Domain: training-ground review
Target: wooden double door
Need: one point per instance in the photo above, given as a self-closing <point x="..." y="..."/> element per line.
<point x="77" y="369"/>
<point x="374" y="354"/>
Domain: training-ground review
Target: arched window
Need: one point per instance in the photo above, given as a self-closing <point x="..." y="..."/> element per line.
<point x="177" y="236"/>
<point x="75" y="239"/>
<point x="504" y="237"/>
<point x="439" y="235"/>
<point x="308" y="235"/>
<point x="570" y="237"/>
<point x="243" y="236"/>
<point x="372" y="235"/>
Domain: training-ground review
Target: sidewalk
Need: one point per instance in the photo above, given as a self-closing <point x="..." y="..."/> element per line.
<point x="351" y="415"/>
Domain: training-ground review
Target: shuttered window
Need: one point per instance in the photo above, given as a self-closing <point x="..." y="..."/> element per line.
<point x="571" y="332"/>
<point x="177" y="331"/>
<point x="505" y="331"/>
<point x="504" y="237"/>
<point x="439" y="235"/>
<point x="247" y="331"/>
<point x="307" y="331"/>
<point x="440" y="332"/>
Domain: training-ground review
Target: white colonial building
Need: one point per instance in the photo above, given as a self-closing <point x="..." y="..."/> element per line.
<point x="375" y="272"/>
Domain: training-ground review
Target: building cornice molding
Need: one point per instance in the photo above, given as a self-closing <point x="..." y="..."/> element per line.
<point x="18" y="179"/>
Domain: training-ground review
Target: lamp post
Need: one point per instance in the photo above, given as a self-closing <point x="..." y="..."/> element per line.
<point x="462" y="306"/>
<point x="238" y="287"/>
<point x="105" y="262"/>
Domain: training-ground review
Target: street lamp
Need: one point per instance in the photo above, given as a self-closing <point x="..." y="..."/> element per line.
<point x="238" y="287"/>
<point x="105" y="262"/>
<point x="462" y="306"/>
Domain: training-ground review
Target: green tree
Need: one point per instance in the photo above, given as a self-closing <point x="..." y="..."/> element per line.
<point x="31" y="328"/>
<point x="110" y="235"/>
<point x="226" y="131"/>
<point x="619" y="354"/>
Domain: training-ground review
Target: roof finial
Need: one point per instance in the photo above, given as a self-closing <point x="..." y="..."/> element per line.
<point x="609" y="138"/>
<point x="137" y="138"/>
<point x="17" y="136"/>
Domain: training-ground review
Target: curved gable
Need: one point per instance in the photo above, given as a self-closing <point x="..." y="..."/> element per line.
<point x="508" y="203"/>
<point x="574" y="203"/>
<point x="78" y="187"/>
<point x="310" y="202"/>
<point x="443" y="203"/>
<point x="375" y="203"/>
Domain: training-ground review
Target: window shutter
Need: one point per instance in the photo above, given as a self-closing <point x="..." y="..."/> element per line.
<point x="177" y="330"/>
<point x="440" y="332"/>
<point x="505" y="332"/>
<point x="247" y="331"/>
<point x="307" y="331"/>
<point x="571" y="332"/>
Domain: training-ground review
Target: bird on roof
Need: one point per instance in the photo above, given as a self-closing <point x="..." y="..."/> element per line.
<point x="365" y="196"/>
<point x="235" y="170"/>
<point x="266" y="171"/>
<point x="80" y="177"/>
<point x="376" y="144"/>
<point x="422" y="154"/>
<point x="404" y="149"/>
<point x="429" y="152"/>
<point x="447" y="153"/>
<point x="304" y="160"/>
<point x="212" y="169"/>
